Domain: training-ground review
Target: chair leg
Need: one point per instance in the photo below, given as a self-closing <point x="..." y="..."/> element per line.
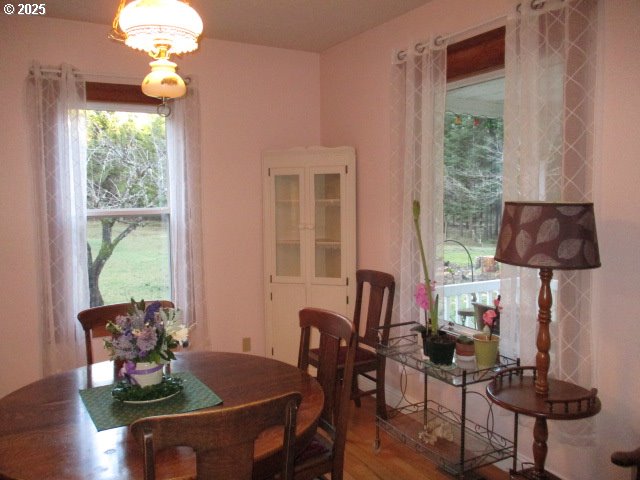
<point x="381" y="402"/>
<point x="355" y="391"/>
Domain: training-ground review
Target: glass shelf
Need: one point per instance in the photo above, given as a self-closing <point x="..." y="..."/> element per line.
<point x="481" y="446"/>
<point x="448" y="438"/>
<point x="408" y="351"/>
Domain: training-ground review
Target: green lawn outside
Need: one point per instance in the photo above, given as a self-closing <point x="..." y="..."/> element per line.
<point x="139" y="266"/>
<point x="455" y="253"/>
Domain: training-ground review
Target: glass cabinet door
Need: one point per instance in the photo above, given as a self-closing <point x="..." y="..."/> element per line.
<point x="328" y="197"/>
<point x="287" y="205"/>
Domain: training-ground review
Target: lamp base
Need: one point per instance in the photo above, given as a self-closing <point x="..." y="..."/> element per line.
<point x="533" y="474"/>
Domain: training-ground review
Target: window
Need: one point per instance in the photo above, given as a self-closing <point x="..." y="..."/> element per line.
<point x="127" y="209"/>
<point x="128" y="214"/>
<point x="473" y="142"/>
<point x="62" y="101"/>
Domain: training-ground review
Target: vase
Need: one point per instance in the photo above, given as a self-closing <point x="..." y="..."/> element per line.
<point x="440" y="349"/>
<point x="486" y="350"/>
<point x="145" y="373"/>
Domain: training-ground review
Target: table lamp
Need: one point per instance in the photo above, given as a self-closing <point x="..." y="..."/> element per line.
<point x="549" y="236"/>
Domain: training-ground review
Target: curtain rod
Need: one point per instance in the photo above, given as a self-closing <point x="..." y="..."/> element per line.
<point x="102" y="76"/>
<point x="442" y="39"/>
<point x="90" y="76"/>
<point x="468" y="32"/>
<point x="463" y="34"/>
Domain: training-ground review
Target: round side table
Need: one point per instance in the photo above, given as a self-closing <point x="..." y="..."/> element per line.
<point x="514" y="390"/>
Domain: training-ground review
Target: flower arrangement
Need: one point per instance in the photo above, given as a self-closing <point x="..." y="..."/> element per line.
<point x="491" y="317"/>
<point x="148" y="333"/>
<point x="424" y="291"/>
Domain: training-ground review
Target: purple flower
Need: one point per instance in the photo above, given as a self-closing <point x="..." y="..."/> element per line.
<point x="145" y="334"/>
<point x="147" y="340"/>
<point x="151" y="310"/>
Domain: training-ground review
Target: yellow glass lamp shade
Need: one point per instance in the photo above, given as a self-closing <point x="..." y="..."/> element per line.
<point x="172" y="24"/>
<point x="163" y="81"/>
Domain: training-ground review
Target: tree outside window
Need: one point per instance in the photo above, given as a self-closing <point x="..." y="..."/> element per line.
<point x="473" y="182"/>
<point x="127" y="203"/>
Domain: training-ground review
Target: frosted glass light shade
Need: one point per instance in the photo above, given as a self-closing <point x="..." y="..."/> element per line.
<point x="163" y="81"/>
<point x="150" y="23"/>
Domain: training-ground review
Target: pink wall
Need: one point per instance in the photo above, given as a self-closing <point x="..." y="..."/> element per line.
<point x="252" y="98"/>
<point x="355" y="111"/>
<point x="255" y="98"/>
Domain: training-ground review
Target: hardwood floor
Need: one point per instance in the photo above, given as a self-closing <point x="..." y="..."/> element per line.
<point x="394" y="460"/>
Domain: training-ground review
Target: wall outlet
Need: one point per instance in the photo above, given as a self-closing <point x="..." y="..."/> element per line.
<point x="246" y="344"/>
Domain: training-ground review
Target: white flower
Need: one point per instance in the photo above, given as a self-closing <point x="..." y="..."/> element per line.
<point x="181" y="335"/>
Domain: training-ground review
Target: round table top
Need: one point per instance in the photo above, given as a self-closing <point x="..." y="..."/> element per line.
<point x="519" y="396"/>
<point x="46" y="431"/>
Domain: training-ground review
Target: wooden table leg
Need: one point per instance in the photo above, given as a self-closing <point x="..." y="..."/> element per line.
<point x="540" y="437"/>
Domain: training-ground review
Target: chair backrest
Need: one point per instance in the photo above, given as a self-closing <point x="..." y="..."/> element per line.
<point x="223" y="439"/>
<point x="94" y="321"/>
<point x="379" y="283"/>
<point x="334" y="330"/>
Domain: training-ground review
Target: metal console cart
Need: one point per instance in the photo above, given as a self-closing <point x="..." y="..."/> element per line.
<point x="457" y="444"/>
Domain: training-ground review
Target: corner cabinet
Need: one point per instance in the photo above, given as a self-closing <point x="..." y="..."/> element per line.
<point x="309" y="197"/>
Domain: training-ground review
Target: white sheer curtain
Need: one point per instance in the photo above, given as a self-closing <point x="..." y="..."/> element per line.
<point x="548" y="155"/>
<point x="183" y="148"/>
<point x="418" y="101"/>
<point x="56" y="108"/>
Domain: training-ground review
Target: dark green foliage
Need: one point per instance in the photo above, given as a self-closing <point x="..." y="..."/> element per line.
<point x="473" y="176"/>
<point x="124" y="391"/>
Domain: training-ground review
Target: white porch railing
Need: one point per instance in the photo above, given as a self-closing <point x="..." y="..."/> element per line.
<point x="458" y="299"/>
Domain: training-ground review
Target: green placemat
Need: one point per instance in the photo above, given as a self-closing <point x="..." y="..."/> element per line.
<point x="106" y="412"/>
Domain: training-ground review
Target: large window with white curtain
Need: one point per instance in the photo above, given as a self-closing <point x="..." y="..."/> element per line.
<point x="153" y="194"/>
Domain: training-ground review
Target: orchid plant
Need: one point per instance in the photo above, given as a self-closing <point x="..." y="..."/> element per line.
<point x="425" y="291"/>
<point x="491" y="317"/>
<point x="148" y="333"/>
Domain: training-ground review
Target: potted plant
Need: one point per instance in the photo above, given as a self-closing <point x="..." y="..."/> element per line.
<point x="438" y="346"/>
<point x="143" y="339"/>
<point x="486" y="343"/>
<point x="464" y="347"/>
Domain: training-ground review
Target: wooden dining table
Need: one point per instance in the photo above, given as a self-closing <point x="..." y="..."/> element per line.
<point x="46" y="431"/>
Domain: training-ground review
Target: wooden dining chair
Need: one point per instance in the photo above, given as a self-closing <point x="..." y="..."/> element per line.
<point x="629" y="459"/>
<point x="381" y="288"/>
<point x="94" y="321"/>
<point x="223" y="439"/>
<point x="325" y="453"/>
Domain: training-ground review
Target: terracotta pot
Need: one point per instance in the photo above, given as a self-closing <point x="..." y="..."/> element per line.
<point x="465" y="349"/>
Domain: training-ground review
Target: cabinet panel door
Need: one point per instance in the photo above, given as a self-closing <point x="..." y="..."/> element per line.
<point x="331" y="298"/>
<point x="327" y="213"/>
<point x="287" y="301"/>
<point x="287" y="189"/>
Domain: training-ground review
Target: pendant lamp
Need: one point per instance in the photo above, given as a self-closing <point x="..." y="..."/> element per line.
<point x="160" y="28"/>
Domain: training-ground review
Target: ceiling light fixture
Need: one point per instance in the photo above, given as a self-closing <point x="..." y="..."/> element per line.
<point x="160" y="28"/>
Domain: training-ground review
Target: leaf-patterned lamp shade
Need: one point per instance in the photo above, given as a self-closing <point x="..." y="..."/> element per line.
<point x="552" y="235"/>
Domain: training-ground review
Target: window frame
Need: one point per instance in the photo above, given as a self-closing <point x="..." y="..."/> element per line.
<point x="479" y="54"/>
<point x="126" y="99"/>
<point x="471" y="61"/>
